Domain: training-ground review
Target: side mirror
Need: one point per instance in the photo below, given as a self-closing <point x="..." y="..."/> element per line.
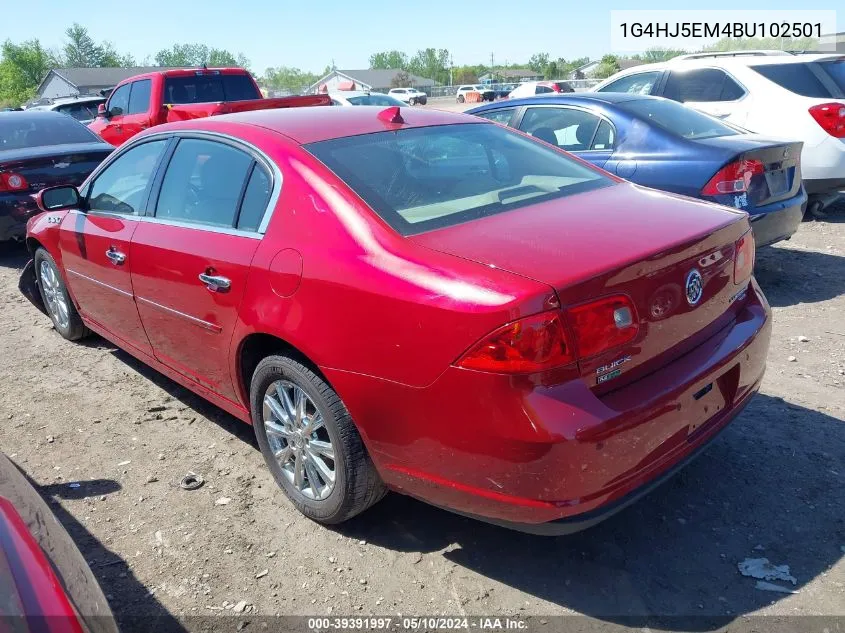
<point x="102" y="112"/>
<point x="58" y="198"/>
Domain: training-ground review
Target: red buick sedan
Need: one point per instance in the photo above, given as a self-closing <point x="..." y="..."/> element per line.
<point x="417" y="301"/>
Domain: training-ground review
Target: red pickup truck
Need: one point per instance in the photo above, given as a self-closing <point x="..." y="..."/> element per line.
<point x="163" y="96"/>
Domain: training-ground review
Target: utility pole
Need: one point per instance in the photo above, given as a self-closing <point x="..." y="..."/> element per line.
<point x="451" y="67"/>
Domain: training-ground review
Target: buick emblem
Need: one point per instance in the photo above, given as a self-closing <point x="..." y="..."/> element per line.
<point x="694" y="287"/>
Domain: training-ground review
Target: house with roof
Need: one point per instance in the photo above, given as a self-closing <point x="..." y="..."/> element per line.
<point x="71" y="82"/>
<point x="375" y="79"/>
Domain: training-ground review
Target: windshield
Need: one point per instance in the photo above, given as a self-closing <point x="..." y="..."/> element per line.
<point x="676" y="118"/>
<point x="18" y="131"/>
<point x="375" y="100"/>
<point x="421" y="179"/>
<point x="209" y="89"/>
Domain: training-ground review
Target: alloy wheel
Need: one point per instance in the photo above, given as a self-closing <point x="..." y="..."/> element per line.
<point x="299" y="440"/>
<point x="54" y="295"/>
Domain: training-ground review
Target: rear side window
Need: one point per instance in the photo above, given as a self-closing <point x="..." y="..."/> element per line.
<point x="639" y="84"/>
<point x="420" y="179"/>
<point x="203" y="183"/>
<point x="570" y="129"/>
<point x="676" y="118"/>
<point x="502" y="115"/>
<point x="209" y="89"/>
<point x="701" y="85"/>
<point x="605" y="137"/>
<point x="139" y="98"/>
<point x="542" y="89"/>
<point x="256" y="197"/>
<point x="836" y="71"/>
<point x="797" y="78"/>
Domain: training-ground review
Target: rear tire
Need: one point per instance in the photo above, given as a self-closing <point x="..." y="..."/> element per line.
<point x="57" y="301"/>
<point x="412" y="101"/>
<point x="335" y="451"/>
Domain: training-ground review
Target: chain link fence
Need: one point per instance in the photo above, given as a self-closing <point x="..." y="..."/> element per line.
<point x="578" y="85"/>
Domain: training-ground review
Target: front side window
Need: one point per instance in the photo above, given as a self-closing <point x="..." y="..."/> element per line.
<point x="122" y="186"/>
<point x="639" y="84"/>
<point x="676" y="118"/>
<point x="573" y="130"/>
<point x="502" y="115"/>
<point x="420" y="179"/>
<point x="701" y="85"/>
<point x="119" y="101"/>
<point x="139" y="98"/>
<point x="203" y="183"/>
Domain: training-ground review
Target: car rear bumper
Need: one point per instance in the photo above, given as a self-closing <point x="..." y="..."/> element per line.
<point x="776" y="222"/>
<point x="823" y="165"/>
<point x="15" y="210"/>
<point x="524" y="455"/>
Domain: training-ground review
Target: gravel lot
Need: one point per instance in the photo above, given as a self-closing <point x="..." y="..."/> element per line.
<point x="771" y="486"/>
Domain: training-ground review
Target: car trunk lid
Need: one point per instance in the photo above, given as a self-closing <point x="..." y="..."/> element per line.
<point x="54" y="164"/>
<point x="619" y="240"/>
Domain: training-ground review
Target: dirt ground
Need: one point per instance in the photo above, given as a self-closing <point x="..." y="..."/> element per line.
<point x="770" y="486"/>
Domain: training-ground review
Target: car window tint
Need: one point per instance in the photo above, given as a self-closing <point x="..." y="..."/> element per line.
<point x="20" y="131"/>
<point x="119" y="101"/>
<point x="605" y="137"/>
<point x="542" y="89"/>
<point x="121" y="187"/>
<point x="203" y="183"/>
<point x="570" y="129"/>
<point x="502" y="115"/>
<point x="256" y="197"/>
<point x="139" y="97"/>
<point x="420" y="179"/>
<point x="836" y="71"/>
<point x="676" y="119"/>
<point x="701" y="85"/>
<point x="640" y="83"/>
<point x="797" y="78"/>
<point x="209" y="88"/>
<point x="375" y="100"/>
<point x="80" y="111"/>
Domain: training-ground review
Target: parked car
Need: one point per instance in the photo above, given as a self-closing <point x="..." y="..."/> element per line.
<point x="410" y="96"/>
<point x="662" y="144"/>
<point x="363" y="97"/>
<point x="83" y="109"/>
<point x="768" y="92"/>
<point x="335" y="275"/>
<point x="531" y="88"/>
<point x="503" y="90"/>
<point x="487" y="93"/>
<point x="43" y="576"/>
<point x="147" y="100"/>
<point x="39" y="149"/>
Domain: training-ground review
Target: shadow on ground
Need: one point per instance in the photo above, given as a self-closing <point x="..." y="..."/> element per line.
<point x="789" y="276"/>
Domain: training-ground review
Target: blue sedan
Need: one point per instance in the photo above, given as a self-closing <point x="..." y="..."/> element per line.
<point x="662" y="144"/>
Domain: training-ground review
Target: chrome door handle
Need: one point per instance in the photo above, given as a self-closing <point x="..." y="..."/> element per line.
<point x="215" y="283"/>
<point x="116" y="257"/>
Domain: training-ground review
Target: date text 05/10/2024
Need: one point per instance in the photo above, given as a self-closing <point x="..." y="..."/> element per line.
<point x="415" y="623"/>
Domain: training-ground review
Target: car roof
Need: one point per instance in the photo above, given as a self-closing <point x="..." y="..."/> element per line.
<point x="65" y="100"/>
<point x="35" y="116"/>
<point x="571" y="98"/>
<point x="725" y="61"/>
<point x="321" y="123"/>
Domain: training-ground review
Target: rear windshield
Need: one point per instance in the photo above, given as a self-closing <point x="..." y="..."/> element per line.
<point x="209" y="88"/>
<point x="18" y="131"/>
<point x="421" y="179"/>
<point x="804" y="80"/>
<point x="375" y="100"/>
<point x="676" y="119"/>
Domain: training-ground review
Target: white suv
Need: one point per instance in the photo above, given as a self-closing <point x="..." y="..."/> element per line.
<point x="800" y="96"/>
<point x="411" y="96"/>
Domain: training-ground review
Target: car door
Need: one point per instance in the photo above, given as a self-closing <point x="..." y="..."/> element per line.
<point x="95" y="242"/>
<point x="191" y="259"/>
<point x="709" y="90"/>
<point x="111" y="128"/>
<point x="573" y="129"/>
<point x="137" y="117"/>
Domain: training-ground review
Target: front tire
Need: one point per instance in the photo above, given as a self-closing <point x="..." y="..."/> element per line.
<point x="412" y="101"/>
<point x="54" y="294"/>
<point x="310" y="443"/>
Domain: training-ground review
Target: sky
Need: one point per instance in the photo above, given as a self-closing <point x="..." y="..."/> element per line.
<point x="313" y="34"/>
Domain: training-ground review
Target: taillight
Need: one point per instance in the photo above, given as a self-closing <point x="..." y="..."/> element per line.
<point x="744" y="260"/>
<point x="531" y="344"/>
<point x="10" y="181"/>
<point x="603" y="324"/>
<point x="733" y="178"/>
<point x="831" y="116"/>
<point x="542" y="341"/>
